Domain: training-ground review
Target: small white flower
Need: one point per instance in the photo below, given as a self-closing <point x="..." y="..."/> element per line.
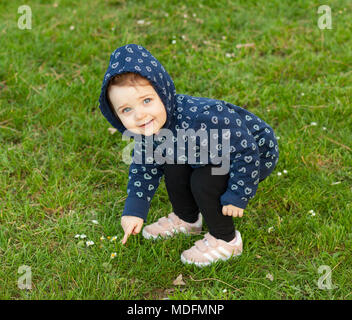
<point x="102" y="238"/>
<point x="113" y="255"/>
<point x="77" y="236"/>
<point x="140" y="22"/>
<point x="113" y="238"/>
<point x="224" y="291"/>
<point x="277" y="138"/>
<point x="285" y="171"/>
<point x="312" y="213"/>
<point x="95" y="221"/>
<point x="72" y="28"/>
<point x="166" y="14"/>
<point x="270" y="277"/>
<point x="83" y="236"/>
<point x="194" y="15"/>
<point x="313" y="123"/>
<point x="183" y="37"/>
<point x="279" y="173"/>
<point x="302" y="94"/>
<point x="173" y="41"/>
<point x="89" y="243"/>
<point x="324" y="128"/>
<point x="270" y="229"/>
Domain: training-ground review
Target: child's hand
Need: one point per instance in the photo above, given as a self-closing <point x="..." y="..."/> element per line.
<point x="231" y="210"/>
<point x="131" y="225"/>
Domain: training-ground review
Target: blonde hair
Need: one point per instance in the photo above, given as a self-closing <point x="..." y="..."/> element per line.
<point x="125" y="79"/>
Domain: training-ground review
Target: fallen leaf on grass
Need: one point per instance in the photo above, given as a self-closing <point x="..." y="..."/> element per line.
<point x="178" y="281"/>
<point x="112" y="130"/>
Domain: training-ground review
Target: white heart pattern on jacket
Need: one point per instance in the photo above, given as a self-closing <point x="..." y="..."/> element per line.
<point x="147" y="176"/>
<point x="268" y="164"/>
<point x="137" y="184"/>
<point x="248" y="159"/>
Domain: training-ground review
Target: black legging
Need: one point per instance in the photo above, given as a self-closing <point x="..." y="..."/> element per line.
<point x="196" y="190"/>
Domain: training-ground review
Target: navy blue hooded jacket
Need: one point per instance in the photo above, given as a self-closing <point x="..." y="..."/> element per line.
<point x="254" y="149"/>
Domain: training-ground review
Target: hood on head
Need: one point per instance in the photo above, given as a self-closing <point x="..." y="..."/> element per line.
<point x="135" y="58"/>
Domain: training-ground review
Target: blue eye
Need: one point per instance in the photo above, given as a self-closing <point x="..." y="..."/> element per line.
<point x="147" y="99"/>
<point x="123" y="111"/>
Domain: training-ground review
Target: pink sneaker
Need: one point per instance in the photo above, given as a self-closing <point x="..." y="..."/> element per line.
<point x="209" y="250"/>
<point x="170" y="225"/>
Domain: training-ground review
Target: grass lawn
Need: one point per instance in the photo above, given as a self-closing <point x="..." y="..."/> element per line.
<point x="61" y="168"/>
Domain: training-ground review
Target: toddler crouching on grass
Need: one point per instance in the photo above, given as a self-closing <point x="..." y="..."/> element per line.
<point x="138" y="97"/>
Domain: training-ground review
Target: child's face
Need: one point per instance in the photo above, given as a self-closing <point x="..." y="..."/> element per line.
<point x="136" y="106"/>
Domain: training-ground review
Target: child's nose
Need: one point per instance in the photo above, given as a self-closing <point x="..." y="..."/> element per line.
<point x="140" y="114"/>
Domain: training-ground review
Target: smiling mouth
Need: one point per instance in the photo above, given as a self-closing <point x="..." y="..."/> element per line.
<point x="146" y="124"/>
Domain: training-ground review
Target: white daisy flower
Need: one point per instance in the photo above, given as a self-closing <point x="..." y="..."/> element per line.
<point x="89" y="243"/>
<point x="313" y="123"/>
<point x="270" y="277"/>
<point x="95" y="221"/>
<point x="72" y="28"/>
<point x="279" y="173"/>
<point x="285" y="171"/>
<point x="270" y="229"/>
<point x="83" y="236"/>
<point x="77" y="236"/>
<point x="312" y="213"/>
<point x="113" y="255"/>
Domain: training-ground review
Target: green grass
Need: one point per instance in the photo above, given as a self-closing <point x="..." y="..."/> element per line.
<point x="61" y="168"/>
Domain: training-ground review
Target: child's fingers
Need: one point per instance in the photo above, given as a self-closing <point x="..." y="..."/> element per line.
<point x="224" y="211"/>
<point x="137" y="229"/>
<point x="240" y="213"/>
<point x="127" y="234"/>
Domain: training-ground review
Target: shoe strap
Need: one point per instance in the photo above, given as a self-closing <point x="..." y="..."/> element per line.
<point x="211" y="240"/>
<point x="201" y="246"/>
<point x="175" y="219"/>
<point x="165" y="223"/>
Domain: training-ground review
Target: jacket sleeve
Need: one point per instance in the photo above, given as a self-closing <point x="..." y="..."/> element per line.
<point x="243" y="154"/>
<point x="144" y="180"/>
